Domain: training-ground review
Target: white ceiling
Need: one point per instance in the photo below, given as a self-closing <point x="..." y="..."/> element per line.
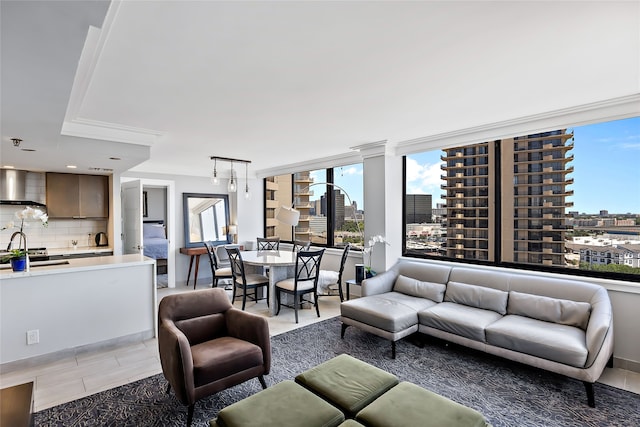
<point x="287" y="82"/>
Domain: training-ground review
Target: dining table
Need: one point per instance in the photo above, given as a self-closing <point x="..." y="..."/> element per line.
<point x="281" y="265"/>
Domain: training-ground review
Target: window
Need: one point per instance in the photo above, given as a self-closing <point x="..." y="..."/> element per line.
<point x="329" y="202"/>
<point x="545" y="201"/>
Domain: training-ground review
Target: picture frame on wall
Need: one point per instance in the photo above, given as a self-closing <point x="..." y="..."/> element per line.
<point x="145" y="205"/>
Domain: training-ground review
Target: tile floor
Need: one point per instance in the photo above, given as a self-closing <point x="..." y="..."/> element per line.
<point x="88" y="373"/>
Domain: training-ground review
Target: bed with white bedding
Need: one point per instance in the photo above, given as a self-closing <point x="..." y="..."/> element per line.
<point x="155" y="242"/>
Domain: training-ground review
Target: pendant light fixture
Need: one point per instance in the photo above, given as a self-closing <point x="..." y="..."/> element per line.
<point x="246" y="181"/>
<point x="214" y="175"/>
<point x="232" y="185"/>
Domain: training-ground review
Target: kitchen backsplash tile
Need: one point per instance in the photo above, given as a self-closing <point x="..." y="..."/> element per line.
<point x="58" y="234"/>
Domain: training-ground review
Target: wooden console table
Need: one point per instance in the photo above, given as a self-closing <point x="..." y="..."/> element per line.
<point x="16" y="405"/>
<point x="194" y="253"/>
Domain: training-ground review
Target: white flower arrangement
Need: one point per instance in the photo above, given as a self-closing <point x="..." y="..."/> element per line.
<point x="28" y="213"/>
<point x="368" y="251"/>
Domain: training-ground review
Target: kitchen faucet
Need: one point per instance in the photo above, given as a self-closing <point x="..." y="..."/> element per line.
<point x="23" y="238"/>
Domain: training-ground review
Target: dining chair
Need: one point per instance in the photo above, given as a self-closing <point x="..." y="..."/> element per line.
<point x="329" y="278"/>
<point x="217" y="272"/>
<point x="304" y="282"/>
<point x="268" y="243"/>
<point x="243" y="280"/>
<point x="221" y="255"/>
<point x="300" y="246"/>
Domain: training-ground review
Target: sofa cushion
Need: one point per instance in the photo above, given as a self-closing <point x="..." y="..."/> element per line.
<point x="477" y="296"/>
<point x="560" y="343"/>
<point x="416" y="288"/>
<point x="459" y="319"/>
<point x="565" y="312"/>
<point x="382" y="313"/>
<point x="415" y="303"/>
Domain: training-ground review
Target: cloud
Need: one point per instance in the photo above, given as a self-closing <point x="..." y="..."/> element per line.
<point x="352" y="170"/>
<point x="629" y="146"/>
<point x="423" y="179"/>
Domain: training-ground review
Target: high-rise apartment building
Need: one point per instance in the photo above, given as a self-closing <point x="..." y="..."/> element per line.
<point x="302" y="192"/>
<point x="277" y="194"/>
<point x="523" y="221"/>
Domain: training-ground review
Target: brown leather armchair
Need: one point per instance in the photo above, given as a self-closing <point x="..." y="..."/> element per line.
<point x="206" y="345"/>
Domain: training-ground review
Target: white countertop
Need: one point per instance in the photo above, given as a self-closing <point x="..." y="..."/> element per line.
<point x="79" y="250"/>
<point x="77" y="264"/>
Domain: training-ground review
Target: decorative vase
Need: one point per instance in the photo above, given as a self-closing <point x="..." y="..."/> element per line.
<point x="19" y="264"/>
<point x="359" y="272"/>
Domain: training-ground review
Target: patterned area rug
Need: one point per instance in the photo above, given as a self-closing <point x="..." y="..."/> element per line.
<point x="507" y="393"/>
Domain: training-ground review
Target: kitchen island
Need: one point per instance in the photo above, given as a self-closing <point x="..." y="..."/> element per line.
<point x="75" y="305"/>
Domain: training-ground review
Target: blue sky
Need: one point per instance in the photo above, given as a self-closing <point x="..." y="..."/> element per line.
<point x="606" y="168"/>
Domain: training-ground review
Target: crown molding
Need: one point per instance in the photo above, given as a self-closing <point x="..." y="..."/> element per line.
<point x="322" y="163"/>
<point x="608" y="110"/>
<point x="85" y="128"/>
<point x="371" y="149"/>
<point x="73" y="125"/>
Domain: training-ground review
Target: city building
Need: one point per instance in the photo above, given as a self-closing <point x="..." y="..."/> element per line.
<point x="418" y="208"/>
<point x="624" y="255"/>
<point x="533" y="198"/>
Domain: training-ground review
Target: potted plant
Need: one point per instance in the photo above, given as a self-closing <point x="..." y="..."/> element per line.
<point x="18" y="259"/>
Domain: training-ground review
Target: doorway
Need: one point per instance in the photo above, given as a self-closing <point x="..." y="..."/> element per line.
<point x="149" y="224"/>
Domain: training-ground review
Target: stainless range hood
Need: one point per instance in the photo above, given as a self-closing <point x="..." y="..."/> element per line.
<point x="13" y="188"/>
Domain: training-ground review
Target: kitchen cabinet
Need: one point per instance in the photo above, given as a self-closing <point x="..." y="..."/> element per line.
<point x="77" y="196"/>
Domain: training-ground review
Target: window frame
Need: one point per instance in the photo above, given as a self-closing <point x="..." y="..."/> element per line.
<point x="329" y="190"/>
<point x="497" y="246"/>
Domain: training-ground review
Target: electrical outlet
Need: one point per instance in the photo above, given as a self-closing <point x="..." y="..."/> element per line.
<point x="33" y="336"/>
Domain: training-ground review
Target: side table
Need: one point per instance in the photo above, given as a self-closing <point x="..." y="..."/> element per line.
<point x="194" y="253"/>
<point x="352" y="282"/>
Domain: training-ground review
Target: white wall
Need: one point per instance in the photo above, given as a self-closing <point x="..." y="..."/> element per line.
<point x="156" y="203"/>
<point x="75" y="308"/>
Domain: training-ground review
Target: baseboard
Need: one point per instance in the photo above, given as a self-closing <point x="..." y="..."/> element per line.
<point x="629" y="365"/>
<point x="43" y="359"/>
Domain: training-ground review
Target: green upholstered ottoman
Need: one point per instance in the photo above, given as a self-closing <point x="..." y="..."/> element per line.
<point x="348" y="383"/>
<point x="283" y="405"/>
<point x="350" y="423"/>
<point x="410" y="405"/>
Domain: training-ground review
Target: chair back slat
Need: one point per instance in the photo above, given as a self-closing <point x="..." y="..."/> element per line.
<point x="343" y="261"/>
<point x="300" y="245"/>
<point x="308" y="266"/>
<point x="212" y="257"/>
<point x="237" y="266"/>
<point x="268" y="243"/>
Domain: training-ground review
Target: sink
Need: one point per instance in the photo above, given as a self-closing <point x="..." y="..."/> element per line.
<point x="35" y="264"/>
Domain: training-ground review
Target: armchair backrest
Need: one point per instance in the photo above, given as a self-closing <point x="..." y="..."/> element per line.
<point x="268" y="243"/>
<point x="199" y="315"/>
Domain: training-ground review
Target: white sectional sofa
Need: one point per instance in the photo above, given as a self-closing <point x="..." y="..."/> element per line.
<point x="561" y="325"/>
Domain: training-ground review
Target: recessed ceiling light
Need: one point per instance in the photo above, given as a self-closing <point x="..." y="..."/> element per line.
<point x="71" y="166"/>
<point x="115" y="158"/>
<point x="27" y="149"/>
